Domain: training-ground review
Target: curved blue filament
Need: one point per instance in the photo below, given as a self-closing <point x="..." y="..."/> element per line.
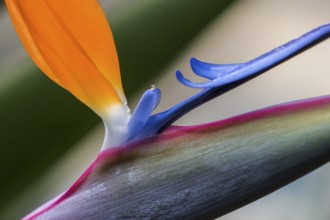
<point x="224" y="77"/>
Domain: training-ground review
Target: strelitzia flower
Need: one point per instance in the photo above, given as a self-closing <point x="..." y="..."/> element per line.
<point x="148" y="168"/>
<point x="76" y="54"/>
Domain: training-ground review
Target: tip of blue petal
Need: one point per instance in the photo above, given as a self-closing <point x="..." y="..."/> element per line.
<point x="184" y="80"/>
<point x="202" y="69"/>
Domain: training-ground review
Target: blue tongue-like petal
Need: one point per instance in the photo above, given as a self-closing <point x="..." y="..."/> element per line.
<point x="143" y="110"/>
<point x="224" y="74"/>
<point x="211" y="71"/>
<point x="222" y="78"/>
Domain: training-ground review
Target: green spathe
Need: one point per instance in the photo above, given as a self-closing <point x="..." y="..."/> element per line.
<point x="202" y="172"/>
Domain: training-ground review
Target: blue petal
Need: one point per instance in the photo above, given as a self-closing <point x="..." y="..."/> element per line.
<point x="211" y="71"/>
<point x="223" y="78"/>
<point x="221" y="74"/>
<point x="144" y="108"/>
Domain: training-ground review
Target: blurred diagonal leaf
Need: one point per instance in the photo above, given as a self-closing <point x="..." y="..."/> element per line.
<point x="40" y="121"/>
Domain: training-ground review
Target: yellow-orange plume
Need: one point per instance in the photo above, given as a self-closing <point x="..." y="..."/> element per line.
<point x="71" y="42"/>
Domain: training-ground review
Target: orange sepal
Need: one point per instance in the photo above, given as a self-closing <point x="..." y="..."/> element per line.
<point x="71" y="42"/>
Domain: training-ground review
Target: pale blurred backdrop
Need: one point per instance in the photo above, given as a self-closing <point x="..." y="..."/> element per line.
<point x="246" y="30"/>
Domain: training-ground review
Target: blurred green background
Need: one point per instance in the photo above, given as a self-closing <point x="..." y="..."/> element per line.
<point x="48" y="138"/>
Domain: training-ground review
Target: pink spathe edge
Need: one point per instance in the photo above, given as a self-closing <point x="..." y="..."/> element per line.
<point x="177" y="131"/>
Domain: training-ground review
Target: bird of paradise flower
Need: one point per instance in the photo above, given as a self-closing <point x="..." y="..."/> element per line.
<point x="143" y="154"/>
